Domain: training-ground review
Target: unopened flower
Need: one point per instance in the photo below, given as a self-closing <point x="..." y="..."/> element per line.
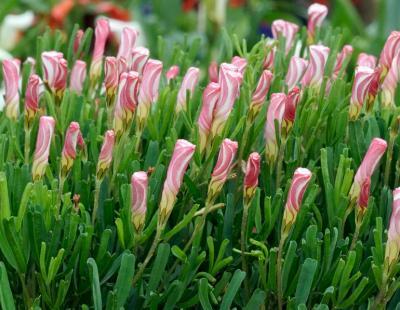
<point x="270" y="56"/>
<point x="222" y="168"/>
<point x="276" y="110"/>
<point x="390" y="83"/>
<point x="11" y="75"/>
<point x="314" y="74"/>
<point x="393" y="243"/>
<point x="41" y="156"/>
<point x="261" y="91"/>
<point x="139" y="184"/>
<point x="148" y="92"/>
<point x="102" y="31"/>
<point x="286" y="29"/>
<point x="362" y="202"/>
<point x="140" y="55"/>
<point x="301" y="178"/>
<point x="69" y="150"/>
<point x="229" y="81"/>
<point x="239" y="62"/>
<point x="213" y="71"/>
<point x="78" y="76"/>
<point x="172" y="73"/>
<point x="373" y="88"/>
<point x="55" y="71"/>
<point x="362" y="80"/>
<point x="316" y="15"/>
<point x="297" y="67"/>
<point x="389" y="51"/>
<point x="292" y="99"/>
<point x="78" y="40"/>
<point x="210" y="98"/>
<point x="371" y="159"/>
<point x="111" y="78"/>
<point x="342" y="57"/>
<point x="189" y="83"/>
<point x="32" y="96"/>
<point x="251" y="175"/>
<point x="183" y="153"/>
<point x="127" y="100"/>
<point x="105" y="156"/>
<point x="127" y="43"/>
<point x="366" y="60"/>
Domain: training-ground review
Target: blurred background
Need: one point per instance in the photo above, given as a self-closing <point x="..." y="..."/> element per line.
<point x="365" y="23"/>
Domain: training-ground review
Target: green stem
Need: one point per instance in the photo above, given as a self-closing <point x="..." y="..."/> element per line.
<point x="380" y="300"/>
<point x="389" y="156"/>
<point x="60" y="193"/>
<point x="25" y="291"/>
<point x="96" y="200"/>
<point x="27" y="144"/>
<point x="279" y="271"/>
<point x="279" y="165"/>
<point x="355" y="236"/>
<point x="243" y="238"/>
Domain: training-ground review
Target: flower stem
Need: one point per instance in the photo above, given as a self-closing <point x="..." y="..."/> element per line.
<point x="27" y="144"/>
<point x="281" y="156"/>
<point x="243" y="238"/>
<point x="355" y="236"/>
<point x="96" y="200"/>
<point x="389" y="156"/>
<point x="279" y="271"/>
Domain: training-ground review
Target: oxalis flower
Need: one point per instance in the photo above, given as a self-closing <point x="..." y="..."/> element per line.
<point x="111" y="79"/>
<point x="139" y="184"/>
<point x="297" y="67"/>
<point x="316" y="16"/>
<point x="55" y="71"/>
<point x="213" y="71"/>
<point x="366" y="60"/>
<point x="393" y="243"/>
<point x="342" y="58"/>
<point x="301" y="178"/>
<point x="41" y="156"/>
<point x="172" y="73"/>
<point x="270" y="56"/>
<point x="127" y="43"/>
<point x="314" y="74"/>
<point x="69" y="150"/>
<point x="11" y="72"/>
<point x="32" y="96"/>
<point x="260" y="92"/>
<point x="292" y="100"/>
<point x="140" y="55"/>
<point x="78" y="76"/>
<point x="286" y="29"/>
<point x="106" y="154"/>
<point x="189" y="84"/>
<point x="389" y="85"/>
<point x="390" y="50"/>
<point x="251" y="176"/>
<point x="181" y="157"/>
<point x="362" y="81"/>
<point x="371" y="159"/>
<point x="101" y="33"/>
<point x="240" y="63"/>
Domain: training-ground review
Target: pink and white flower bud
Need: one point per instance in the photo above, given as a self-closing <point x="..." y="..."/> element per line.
<point x="148" y="92"/>
<point x="362" y="202"/>
<point x="292" y="100"/>
<point x="316" y="16"/>
<point x="270" y="57"/>
<point x="366" y="60"/>
<point x="32" y="64"/>
<point x="111" y="78"/>
<point x="210" y="98"/>
<point x="106" y="154"/>
<point x="172" y="73"/>
<point x="55" y="71"/>
<point x="127" y="101"/>
<point x="229" y="81"/>
<point x="78" y="40"/>
<point x="286" y="29"/>
<point x="32" y="96"/>
<point x="41" y="156"/>
<point x="127" y="43"/>
<point x="239" y="62"/>
<point x="69" y="150"/>
<point x="140" y="55"/>
<point x="222" y="168"/>
<point x="373" y="88"/>
<point x="11" y="75"/>
<point x="389" y="51"/>
<point x="371" y="159"/>
<point x="301" y="178"/>
<point x="276" y="110"/>
<point x="189" y="83"/>
<point x="362" y="80"/>
<point x="297" y="67"/>
<point x="393" y="243"/>
<point x="183" y="153"/>
<point x="342" y="57"/>
<point x="390" y="83"/>
<point x="78" y="76"/>
<point x="314" y="74"/>
<point x="213" y="72"/>
<point x="139" y="185"/>
<point x="251" y="175"/>
<point x="261" y="91"/>
<point x="101" y="33"/>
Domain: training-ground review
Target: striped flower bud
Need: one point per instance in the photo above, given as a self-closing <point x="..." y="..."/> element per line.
<point x="366" y="60"/>
<point x="239" y="62"/>
<point x="111" y="78"/>
<point x="297" y="67"/>
<point x="69" y="150"/>
<point x="210" y="98"/>
<point x="342" y="58"/>
<point x="43" y="141"/>
<point x="11" y="75"/>
<point x="362" y="202"/>
<point x="189" y="83"/>
<point x="301" y="178"/>
<point x="286" y="29"/>
<point x="270" y="56"/>
<point x="213" y="72"/>
<point x="32" y="96"/>
<point x="127" y="43"/>
<point x="251" y="175"/>
<point x="101" y="33"/>
<point x="172" y="73"/>
<point x="106" y="154"/>
<point x="78" y="40"/>
<point x="373" y="88"/>
<point x="276" y="110"/>
<point x="148" y="92"/>
<point x="139" y="184"/>
<point x="140" y="55"/>
<point x="222" y="168"/>
<point x="181" y="157"/>
<point x="316" y="66"/>
<point x="390" y="83"/>
<point x="229" y="80"/>
<point x="55" y="71"/>
<point x="78" y="76"/>
<point x="32" y="64"/>
<point x="127" y="100"/>
<point x="362" y="80"/>
<point x="393" y="243"/>
<point x="389" y="51"/>
<point x="292" y="99"/>
<point x="371" y="159"/>
<point x="261" y="91"/>
<point x="316" y="16"/>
